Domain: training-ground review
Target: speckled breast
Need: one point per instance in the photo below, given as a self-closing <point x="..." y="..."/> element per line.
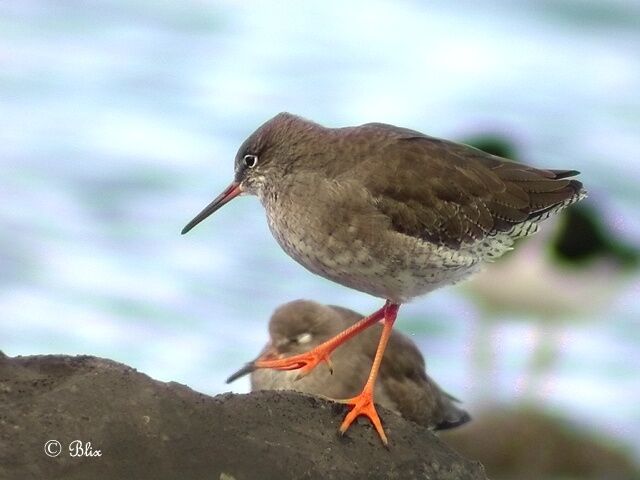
<point x="391" y="265"/>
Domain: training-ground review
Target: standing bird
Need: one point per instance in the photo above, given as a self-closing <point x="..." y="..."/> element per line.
<point x="387" y="211"/>
<point x="403" y="385"/>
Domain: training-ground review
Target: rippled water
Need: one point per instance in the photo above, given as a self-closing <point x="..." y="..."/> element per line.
<point x="120" y="121"/>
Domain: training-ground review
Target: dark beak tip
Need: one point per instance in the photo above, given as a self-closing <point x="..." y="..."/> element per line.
<point x="187" y="228"/>
<point x="229" y="193"/>
<point x="247" y="369"/>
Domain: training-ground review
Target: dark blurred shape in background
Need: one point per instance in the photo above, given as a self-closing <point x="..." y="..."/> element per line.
<point x="524" y="443"/>
<point x="583" y="238"/>
<point x="572" y="270"/>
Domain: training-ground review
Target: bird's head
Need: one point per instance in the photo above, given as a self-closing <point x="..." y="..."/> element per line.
<point x="298" y="326"/>
<point x="265" y="156"/>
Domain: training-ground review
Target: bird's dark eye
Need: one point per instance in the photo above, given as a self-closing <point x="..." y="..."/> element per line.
<point x="250" y="161"/>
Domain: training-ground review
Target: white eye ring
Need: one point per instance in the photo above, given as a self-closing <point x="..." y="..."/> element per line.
<point x="250" y="161"/>
<point x="303" y="338"/>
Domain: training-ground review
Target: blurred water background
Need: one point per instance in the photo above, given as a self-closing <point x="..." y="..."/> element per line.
<point x="120" y="120"/>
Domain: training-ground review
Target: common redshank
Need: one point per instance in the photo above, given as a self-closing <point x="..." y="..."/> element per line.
<point x="403" y="385"/>
<point x="387" y="211"/>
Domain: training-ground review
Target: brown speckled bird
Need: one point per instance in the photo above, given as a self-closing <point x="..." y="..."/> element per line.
<point x="403" y="385"/>
<point x="387" y="211"/>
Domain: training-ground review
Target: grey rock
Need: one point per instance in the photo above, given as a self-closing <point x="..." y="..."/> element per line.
<point x="144" y="428"/>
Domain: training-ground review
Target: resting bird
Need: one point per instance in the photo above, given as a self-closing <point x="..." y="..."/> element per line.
<point x="403" y="385"/>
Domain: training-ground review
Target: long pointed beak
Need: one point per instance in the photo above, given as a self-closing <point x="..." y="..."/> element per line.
<point x="248" y="368"/>
<point x="269" y="353"/>
<point x="229" y="194"/>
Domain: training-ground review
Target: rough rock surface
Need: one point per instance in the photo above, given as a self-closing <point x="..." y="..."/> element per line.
<point x="149" y="429"/>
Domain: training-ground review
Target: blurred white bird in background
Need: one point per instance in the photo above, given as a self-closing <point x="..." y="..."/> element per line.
<point x="571" y="272"/>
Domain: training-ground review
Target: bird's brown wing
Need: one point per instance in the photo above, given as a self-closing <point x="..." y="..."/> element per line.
<point x="453" y="194"/>
<point x="416" y="396"/>
<point x="404" y="379"/>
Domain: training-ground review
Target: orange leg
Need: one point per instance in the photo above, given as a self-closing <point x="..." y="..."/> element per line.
<point x="363" y="403"/>
<point x="308" y="361"/>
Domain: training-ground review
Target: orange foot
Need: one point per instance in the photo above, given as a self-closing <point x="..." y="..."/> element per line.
<point x="363" y="405"/>
<point x="305" y="361"/>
